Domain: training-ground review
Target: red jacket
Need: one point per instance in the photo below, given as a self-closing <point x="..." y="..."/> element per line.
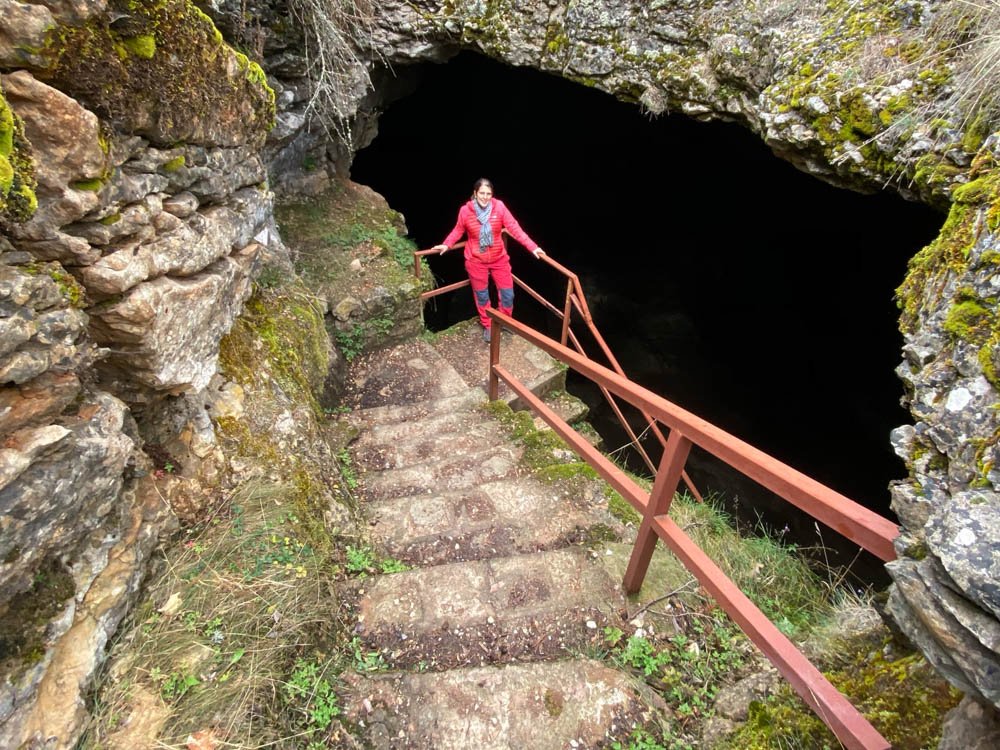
<point x="500" y="218"/>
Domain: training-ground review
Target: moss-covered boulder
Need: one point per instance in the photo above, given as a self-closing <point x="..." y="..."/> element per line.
<point x="162" y="69"/>
<point x="17" y="180"/>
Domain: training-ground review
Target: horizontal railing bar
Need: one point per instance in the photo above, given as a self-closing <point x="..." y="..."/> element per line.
<point x="444" y="289"/>
<point x="618" y="479"/>
<point x="823" y="698"/>
<point x="826" y="701"/>
<point x="857" y="523"/>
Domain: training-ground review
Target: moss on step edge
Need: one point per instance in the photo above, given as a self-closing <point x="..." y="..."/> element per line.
<point x="541" y="456"/>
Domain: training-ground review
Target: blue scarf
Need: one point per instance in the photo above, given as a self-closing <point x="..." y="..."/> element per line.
<point x="485" y="230"/>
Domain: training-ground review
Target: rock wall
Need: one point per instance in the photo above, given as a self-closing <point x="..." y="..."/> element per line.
<point x="134" y="213"/>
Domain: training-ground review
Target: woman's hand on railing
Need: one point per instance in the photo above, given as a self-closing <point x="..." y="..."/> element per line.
<point x="442" y="249"/>
<point x="538" y="252"/>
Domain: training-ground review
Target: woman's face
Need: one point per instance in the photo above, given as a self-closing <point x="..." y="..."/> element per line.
<point x="483" y="195"/>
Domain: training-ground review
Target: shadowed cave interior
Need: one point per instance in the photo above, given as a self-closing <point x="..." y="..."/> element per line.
<point x="723" y="278"/>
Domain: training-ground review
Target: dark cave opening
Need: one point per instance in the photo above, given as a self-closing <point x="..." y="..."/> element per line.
<point x="750" y="293"/>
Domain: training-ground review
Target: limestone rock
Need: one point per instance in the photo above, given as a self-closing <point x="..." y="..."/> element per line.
<point x="69" y="170"/>
<point x="72" y="476"/>
<point x="167" y="331"/>
<point x="970" y="726"/>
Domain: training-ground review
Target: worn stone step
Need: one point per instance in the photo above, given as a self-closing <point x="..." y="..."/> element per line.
<point x="406" y="374"/>
<point x="462" y="346"/>
<point x="543" y="706"/>
<point x="491" y="520"/>
<point x="520" y="608"/>
<point x="429" y="440"/>
<point x="380" y="423"/>
<point x="467" y="466"/>
<point x="570" y="408"/>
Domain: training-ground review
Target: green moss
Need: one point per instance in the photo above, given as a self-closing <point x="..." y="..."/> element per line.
<point x="91" y="186"/>
<point x="904" y="699"/>
<point x="17" y="169"/>
<point x="965" y="320"/>
<point x="6" y="175"/>
<point x="162" y="62"/>
<point x="25" y="617"/>
<point x="621" y="509"/>
<point x="554" y="702"/>
<point x="6" y="127"/>
<point x="111" y="219"/>
<point x="143" y="46"/>
<point x="294" y="342"/>
<point x="174" y="164"/>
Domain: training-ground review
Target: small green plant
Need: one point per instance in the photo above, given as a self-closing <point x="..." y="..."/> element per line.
<point x="269" y="278"/>
<point x="176" y="686"/>
<point x="360" y="561"/>
<point x="383" y="325"/>
<point x="310" y="695"/>
<point x="347" y="472"/>
<point x="643" y="740"/>
<point x="366" y="661"/>
<point x="351" y="343"/>
<point x="640" y="654"/>
<point x="392" y="565"/>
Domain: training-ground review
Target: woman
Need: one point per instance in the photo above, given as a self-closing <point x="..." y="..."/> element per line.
<point x="482" y="219"/>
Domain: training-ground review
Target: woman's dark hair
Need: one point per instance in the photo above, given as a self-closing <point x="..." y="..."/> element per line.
<point x="480" y="182"/>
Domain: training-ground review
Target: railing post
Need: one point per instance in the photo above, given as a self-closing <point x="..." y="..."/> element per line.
<point x="567" y="311"/>
<point x="669" y="475"/>
<point x="494" y="384"/>
<point x="416" y="265"/>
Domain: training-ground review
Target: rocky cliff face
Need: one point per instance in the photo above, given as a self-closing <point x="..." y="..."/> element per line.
<point x="131" y="194"/>
<point x="134" y="210"/>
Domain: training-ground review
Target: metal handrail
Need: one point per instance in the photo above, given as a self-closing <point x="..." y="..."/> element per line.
<point x="857" y="523"/>
<point x="575" y="298"/>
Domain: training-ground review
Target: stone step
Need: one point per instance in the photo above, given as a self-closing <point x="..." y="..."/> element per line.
<point x="570" y="408"/>
<point x="520" y="608"/>
<point x="495" y="519"/>
<point x="459" y="469"/>
<point x="462" y="346"/>
<point x="449" y="436"/>
<point x="406" y="374"/>
<point x="543" y="706"/>
<point x="382" y="423"/>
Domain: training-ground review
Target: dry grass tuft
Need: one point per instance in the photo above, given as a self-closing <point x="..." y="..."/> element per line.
<point x="212" y="646"/>
<point x="970" y="30"/>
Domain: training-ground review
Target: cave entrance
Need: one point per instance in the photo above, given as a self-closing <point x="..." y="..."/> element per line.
<point x="748" y="292"/>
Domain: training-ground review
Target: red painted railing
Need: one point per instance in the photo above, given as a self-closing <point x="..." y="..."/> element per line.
<point x="869" y="530"/>
<point x="855" y="522"/>
<point x="575" y="300"/>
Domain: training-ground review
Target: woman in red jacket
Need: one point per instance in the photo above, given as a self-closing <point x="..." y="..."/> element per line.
<point x="482" y="219"/>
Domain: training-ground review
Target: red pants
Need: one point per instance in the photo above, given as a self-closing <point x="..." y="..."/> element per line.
<point x="479" y="275"/>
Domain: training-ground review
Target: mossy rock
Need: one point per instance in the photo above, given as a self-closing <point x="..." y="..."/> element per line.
<point x="17" y="169"/>
<point x="352" y="251"/>
<point x="162" y="70"/>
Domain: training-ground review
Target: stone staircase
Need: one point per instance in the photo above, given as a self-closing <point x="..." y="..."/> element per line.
<point x="489" y="637"/>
